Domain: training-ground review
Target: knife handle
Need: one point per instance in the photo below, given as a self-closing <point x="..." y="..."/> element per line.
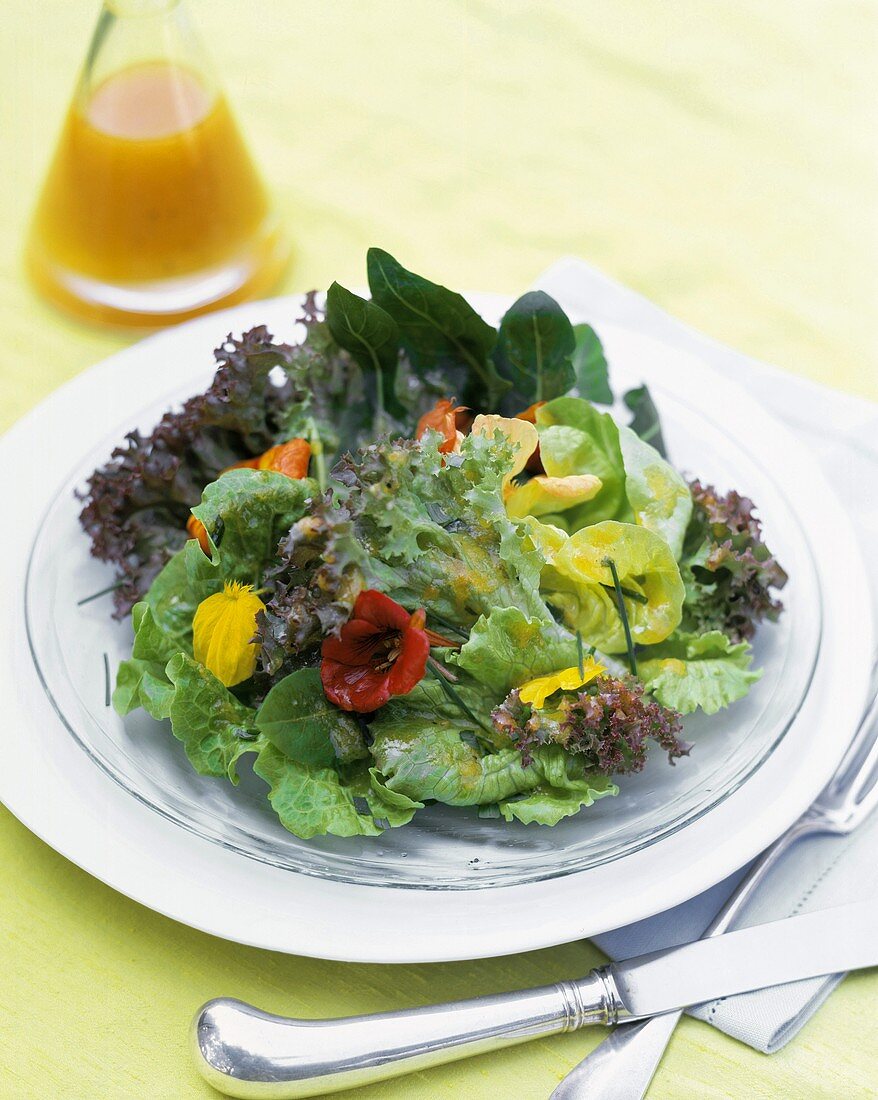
<point x="244" y="1052"/>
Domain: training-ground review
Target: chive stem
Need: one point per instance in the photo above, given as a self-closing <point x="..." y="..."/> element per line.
<point x="580" y="659"/>
<point x="439" y="672"/>
<point x="107" y="693"/>
<point x="318" y="455"/>
<point x="103" y="592"/>
<point x="623" y="615"/>
<point x="638" y="597"/>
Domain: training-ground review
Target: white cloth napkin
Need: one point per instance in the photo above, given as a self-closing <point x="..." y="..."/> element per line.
<point x="817" y="873"/>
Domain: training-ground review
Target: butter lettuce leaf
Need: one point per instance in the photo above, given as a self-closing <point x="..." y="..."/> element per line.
<point x="141" y="680"/>
<point x="311" y="800"/>
<point x="659" y="496"/>
<point x="580" y="584"/>
<point x="248" y="511"/>
<point x="547" y="805"/>
<point x="506" y="648"/>
<point x="427" y="748"/>
<point x="577" y="439"/>
<point x="691" y="671"/>
<point x="214" y="727"/>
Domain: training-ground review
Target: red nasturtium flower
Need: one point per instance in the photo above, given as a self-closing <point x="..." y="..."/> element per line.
<point x="446" y="418"/>
<point x="382" y="651"/>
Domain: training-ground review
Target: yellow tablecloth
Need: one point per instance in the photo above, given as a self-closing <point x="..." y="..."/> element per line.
<point x="718" y="156"/>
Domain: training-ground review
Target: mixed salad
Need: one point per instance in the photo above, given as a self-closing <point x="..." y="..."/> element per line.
<point x="415" y="559"/>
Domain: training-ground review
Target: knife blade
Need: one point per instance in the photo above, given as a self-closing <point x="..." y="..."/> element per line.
<point x="248" y="1053"/>
<point x="828" y="941"/>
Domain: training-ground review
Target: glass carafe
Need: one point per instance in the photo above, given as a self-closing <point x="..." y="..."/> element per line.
<point x="152" y="209"/>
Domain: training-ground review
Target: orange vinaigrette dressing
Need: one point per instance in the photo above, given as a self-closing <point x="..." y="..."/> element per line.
<point x="151" y="181"/>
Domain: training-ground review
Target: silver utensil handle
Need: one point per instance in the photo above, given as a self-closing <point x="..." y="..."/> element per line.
<point x="247" y="1053"/>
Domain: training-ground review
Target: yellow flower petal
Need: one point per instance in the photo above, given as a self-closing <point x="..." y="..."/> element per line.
<point x="521" y="434"/>
<point x="543" y="495"/>
<point x="222" y="633"/>
<point x="537" y="691"/>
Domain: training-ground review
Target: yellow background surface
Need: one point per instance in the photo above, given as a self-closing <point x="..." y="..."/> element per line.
<point x="720" y="156"/>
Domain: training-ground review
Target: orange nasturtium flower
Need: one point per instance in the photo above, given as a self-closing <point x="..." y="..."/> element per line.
<point x="446" y="418"/>
<point x="223" y="630"/>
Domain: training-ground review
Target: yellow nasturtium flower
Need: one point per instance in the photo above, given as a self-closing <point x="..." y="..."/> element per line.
<point x="540" y="495"/>
<point x="538" y="690"/>
<point x="222" y="632"/>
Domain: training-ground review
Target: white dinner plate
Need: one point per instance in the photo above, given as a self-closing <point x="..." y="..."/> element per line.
<point x="118" y="798"/>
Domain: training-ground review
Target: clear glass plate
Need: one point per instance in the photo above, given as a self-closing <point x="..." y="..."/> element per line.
<point x="444" y="847"/>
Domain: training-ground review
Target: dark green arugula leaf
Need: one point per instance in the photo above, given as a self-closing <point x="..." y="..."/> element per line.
<point x="645" y="422"/>
<point x="590" y="365"/>
<point x="371" y="335"/>
<point x="299" y="720"/>
<point x="439" y="330"/>
<point x="533" y="351"/>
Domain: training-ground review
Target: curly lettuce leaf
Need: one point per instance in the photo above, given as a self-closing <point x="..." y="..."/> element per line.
<point x="137" y="504"/>
<point x="429" y="530"/>
<point x="689" y="671"/>
<point x="298" y="719"/>
<point x="533" y="352"/>
<point x="251" y="510"/>
<point x="659" y="496"/>
<point x="312" y="801"/>
<point x="214" y="727"/>
<point x="506" y="648"/>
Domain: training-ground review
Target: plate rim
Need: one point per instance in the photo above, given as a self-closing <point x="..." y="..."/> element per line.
<point x="385" y="944"/>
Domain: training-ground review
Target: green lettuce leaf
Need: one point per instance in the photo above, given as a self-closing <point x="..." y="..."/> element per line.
<point x="698" y="670"/>
<point x="214" y="727"/>
<point x="439" y="330"/>
<point x="312" y="800"/>
<point x="298" y="719"/>
<point x="506" y="648"/>
<point x="659" y="496"/>
<point x="427" y="748"/>
<point x="580" y="584"/>
<point x="429" y="530"/>
<point x="577" y="439"/>
<point x="250" y="510"/>
<point x="590" y="365"/>
<point x="533" y="351"/>
<point x="547" y="805"/>
<point x="141" y="680"/>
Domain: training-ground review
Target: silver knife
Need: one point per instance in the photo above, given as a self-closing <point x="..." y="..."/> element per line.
<point x="247" y="1053"/>
<point x="622" y="1066"/>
